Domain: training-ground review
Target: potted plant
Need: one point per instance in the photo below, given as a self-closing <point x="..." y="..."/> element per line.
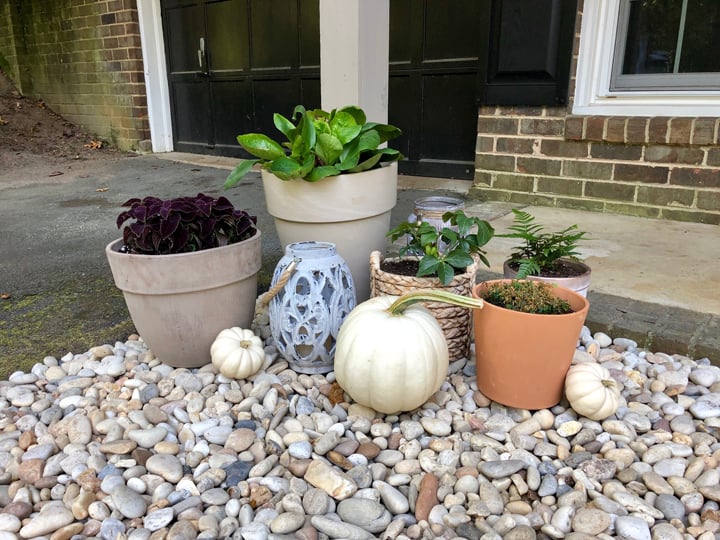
<point x="443" y="258"/>
<point x="546" y="256"/>
<point x="188" y="269"/>
<point x="331" y="181"/>
<point x="525" y="338"/>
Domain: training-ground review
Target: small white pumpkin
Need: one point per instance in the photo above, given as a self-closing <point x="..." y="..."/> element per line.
<point x="391" y="354"/>
<point x="591" y="391"/>
<point x="237" y="353"/>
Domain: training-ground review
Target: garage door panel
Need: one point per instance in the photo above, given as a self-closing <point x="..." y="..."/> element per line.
<point x="192" y="124"/>
<point x="229" y="40"/>
<point x="449" y="125"/>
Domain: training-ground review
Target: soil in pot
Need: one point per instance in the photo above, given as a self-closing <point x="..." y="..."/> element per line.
<point x="404" y="267"/>
<point x="562" y="269"/>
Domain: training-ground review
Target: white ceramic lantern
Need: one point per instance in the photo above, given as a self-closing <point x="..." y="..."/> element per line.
<point x="306" y="314"/>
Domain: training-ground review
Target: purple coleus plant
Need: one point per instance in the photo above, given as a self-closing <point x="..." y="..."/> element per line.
<point x="183" y="224"/>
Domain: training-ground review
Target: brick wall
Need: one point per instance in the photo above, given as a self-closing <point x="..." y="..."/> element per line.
<point x="83" y="58"/>
<point x="654" y="167"/>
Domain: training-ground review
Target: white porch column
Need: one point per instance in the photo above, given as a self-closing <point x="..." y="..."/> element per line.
<point x="354" y="55"/>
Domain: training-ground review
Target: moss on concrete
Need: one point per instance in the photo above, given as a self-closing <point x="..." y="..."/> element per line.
<point x="72" y="317"/>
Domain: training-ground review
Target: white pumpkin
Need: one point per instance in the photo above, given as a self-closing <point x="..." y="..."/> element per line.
<point x="391" y="353"/>
<point x="237" y="353"/>
<point x="591" y="391"/>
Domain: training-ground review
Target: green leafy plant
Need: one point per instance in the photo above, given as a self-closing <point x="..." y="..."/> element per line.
<point x="319" y="144"/>
<point x="445" y="251"/>
<point x="526" y="296"/>
<point x="540" y="251"/>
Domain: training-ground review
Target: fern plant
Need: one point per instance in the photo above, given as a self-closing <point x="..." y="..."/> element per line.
<point x="540" y="251"/>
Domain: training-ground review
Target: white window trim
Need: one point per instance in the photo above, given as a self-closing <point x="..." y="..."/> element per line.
<point x="592" y="88"/>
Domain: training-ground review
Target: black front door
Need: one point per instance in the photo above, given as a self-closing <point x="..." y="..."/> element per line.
<point x="233" y="63"/>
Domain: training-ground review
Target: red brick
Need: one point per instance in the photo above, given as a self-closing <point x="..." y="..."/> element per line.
<point x="688" y="155"/>
<point x="704" y="131"/>
<point x="635" y="130"/>
<point x="484" y="144"/>
<point x="541" y="126"/>
<point x="713" y="157"/>
<point x="658" y="130"/>
<point x="595" y="128"/>
<point x="680" y="130"/>
<point x="604" y="150"/>
<point x="696" y="177"/>
<point x="514" y="145"/>
<point x="497" y="124"/>
<point x="574" y="128"/>
<point x="553" y="147"/>
<point x="615" y="129"/>
<point x="640" y="173"/>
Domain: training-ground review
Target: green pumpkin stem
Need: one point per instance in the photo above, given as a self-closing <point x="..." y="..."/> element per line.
<point x="432" y="295"/>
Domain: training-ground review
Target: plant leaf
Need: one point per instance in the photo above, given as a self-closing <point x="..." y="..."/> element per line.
<point x="328" y="148"/>
<point x="261" y="146"/>
<point x="283" y="125"/>
<point x="319" y="173"/>
<point x="428" y="266"/>
<point x="239" y="172"/>
<point x="356" y="112"/>
<point x="285" y="168"/>
<point x="344" y="127"/>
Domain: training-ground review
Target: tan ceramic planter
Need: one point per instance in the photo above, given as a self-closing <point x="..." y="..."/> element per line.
<point x="522" y="358"/>
<point x="350" y="210"/>
<point x="579" y="283"/>
<point x="179" y="303"/>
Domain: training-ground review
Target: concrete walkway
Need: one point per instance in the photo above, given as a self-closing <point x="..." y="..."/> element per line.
<point x="657" y="282"/>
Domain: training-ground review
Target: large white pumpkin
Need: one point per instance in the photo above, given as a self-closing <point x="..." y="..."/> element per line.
<point x="237" y="353"/>
<point x="591" y="391"/>
<point x="390" y="362"/>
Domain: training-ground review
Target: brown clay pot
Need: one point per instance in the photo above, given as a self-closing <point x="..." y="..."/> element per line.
<point x="578" y="283"/>
<point x="179" y="303"/>
<point x="522" y="358"/>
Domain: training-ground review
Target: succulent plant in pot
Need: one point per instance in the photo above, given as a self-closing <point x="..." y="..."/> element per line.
<point x="525" y="338"/>
<point x="188" y="269"/>
<point x="443" y="258"/>
<point x="330" y="180"/>
<point x="546" y="256"/>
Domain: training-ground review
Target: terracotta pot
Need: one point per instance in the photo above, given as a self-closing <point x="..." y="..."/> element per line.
<point x="454" y="320"/>
<point x="351" y="211"/>
<point x="578" y="283"/>
<point x="179" y="303"/>
<point x="522" y="358"/>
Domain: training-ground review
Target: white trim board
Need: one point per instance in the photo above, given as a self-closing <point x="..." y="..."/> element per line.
<point x="156" y="86"/>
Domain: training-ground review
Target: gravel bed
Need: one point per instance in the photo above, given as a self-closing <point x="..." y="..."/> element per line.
<point x="113" y="444"/>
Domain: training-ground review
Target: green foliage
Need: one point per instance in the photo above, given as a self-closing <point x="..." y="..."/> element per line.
<point x="540" y="250"/>
<point x="319" y="144"/>
<point x="444" y="251"/>
<point x="526" y="296"/>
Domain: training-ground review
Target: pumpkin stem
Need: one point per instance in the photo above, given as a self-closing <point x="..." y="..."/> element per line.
<point x="245" y="343"/>
<point x="608" y="383"/>
<point x="432" y="295"/>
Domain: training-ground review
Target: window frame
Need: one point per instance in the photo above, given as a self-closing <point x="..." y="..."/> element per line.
<point x="593" y="94"/>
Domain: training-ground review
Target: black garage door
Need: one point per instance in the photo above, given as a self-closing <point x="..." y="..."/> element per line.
<point x="232" y="63"/>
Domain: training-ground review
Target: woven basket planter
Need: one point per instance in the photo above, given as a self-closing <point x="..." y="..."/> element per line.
<point x="455" y="321"/>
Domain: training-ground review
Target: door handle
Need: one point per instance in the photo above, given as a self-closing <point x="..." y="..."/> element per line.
<point x="201" y="57"/>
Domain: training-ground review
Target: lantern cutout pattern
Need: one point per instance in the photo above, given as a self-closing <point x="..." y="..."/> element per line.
<point x="306" y="314"/>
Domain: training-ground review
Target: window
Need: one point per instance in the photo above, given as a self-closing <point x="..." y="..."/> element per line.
<point x="667" y="44"/>
<point x="645" y="58"/>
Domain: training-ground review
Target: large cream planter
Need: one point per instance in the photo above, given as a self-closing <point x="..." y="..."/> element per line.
<point x="350" y="210"/>
<point x="179" y="303"/>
